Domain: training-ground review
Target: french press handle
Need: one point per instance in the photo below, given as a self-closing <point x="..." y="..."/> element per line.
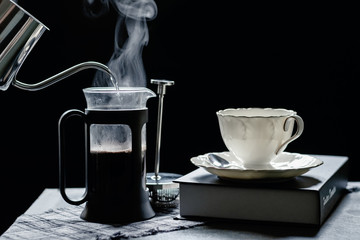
<point x="62" y="161"/>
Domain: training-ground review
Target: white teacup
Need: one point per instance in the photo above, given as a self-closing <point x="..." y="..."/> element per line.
<point x="257" y="135"/>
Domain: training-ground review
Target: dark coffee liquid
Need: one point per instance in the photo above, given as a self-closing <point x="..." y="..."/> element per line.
<point x="115" y="182"/>
<point x="109" y="175"/>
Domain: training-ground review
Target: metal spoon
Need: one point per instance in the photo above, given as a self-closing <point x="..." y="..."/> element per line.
<point x="220" y="162"/>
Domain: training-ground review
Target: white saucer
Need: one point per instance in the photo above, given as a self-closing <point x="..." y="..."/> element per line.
<point x="286" y="165"/>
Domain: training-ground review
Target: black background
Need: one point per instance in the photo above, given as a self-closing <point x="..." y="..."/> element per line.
<point x="220" y="55"/>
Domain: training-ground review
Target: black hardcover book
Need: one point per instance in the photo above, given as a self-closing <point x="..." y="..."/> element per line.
<point x="306" y="199"/>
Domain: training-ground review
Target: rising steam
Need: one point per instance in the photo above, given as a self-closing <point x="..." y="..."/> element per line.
<point x="131" y="35"/>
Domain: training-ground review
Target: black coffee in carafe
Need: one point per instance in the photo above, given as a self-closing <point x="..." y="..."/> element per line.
<point x="111" y="178"/>
<point x="115" y="157"/>
<point x="112" y="187"/>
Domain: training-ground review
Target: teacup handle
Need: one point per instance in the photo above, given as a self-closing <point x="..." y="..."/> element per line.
<point x="299" y="130"/>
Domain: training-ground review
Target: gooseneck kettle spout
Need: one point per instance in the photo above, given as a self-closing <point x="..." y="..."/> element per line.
<point x="64" y="74"/>
<point x="19" y="32"/>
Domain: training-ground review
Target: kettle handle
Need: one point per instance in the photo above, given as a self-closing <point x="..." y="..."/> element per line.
<point x="62" y="162"/>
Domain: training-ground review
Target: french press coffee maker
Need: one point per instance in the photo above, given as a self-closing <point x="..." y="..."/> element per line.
<point x="115" y="146"/>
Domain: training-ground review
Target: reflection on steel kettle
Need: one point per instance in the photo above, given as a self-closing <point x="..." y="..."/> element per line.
<point x="19" y="32"/>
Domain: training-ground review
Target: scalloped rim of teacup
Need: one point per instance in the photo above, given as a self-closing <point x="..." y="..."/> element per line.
<point x="286" y="112"/>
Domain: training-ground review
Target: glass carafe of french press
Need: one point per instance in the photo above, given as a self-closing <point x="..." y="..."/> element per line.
<point x="115" y="145"/>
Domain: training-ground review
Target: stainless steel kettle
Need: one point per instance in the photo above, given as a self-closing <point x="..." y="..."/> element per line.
<point x="19" y="32"/>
